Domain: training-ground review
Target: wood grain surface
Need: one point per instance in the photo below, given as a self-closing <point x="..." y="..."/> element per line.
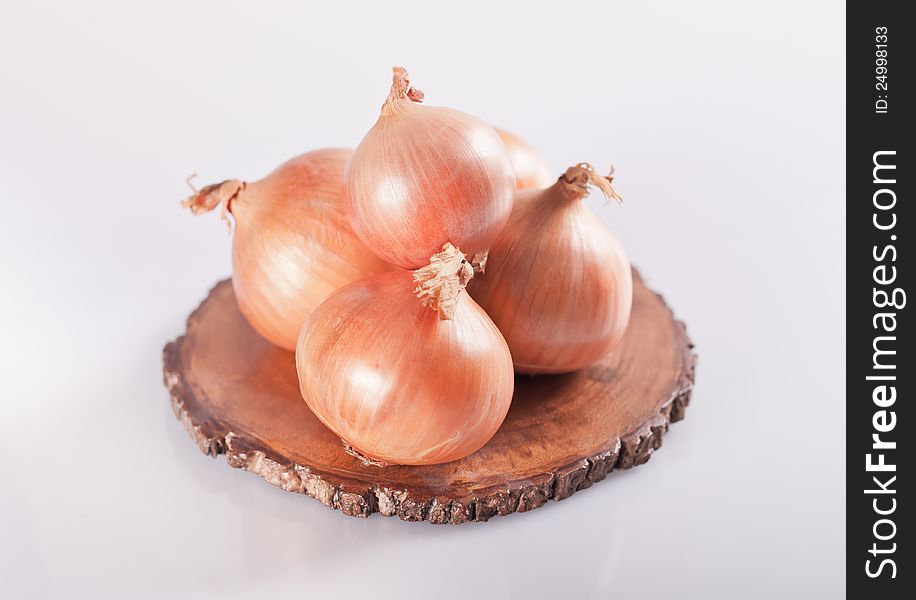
<point x="238" y="395"/>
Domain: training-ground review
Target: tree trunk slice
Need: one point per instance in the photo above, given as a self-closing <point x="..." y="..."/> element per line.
<point x="237" y="395"/>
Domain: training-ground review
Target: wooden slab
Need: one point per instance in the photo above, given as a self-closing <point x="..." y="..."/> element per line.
<point x="237" y="395"/>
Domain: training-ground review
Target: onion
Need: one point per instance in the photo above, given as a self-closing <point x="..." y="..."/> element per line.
<point x="401" y="383"/>
<point x="530" y="169"/>
<point x="424" y="176"/>
<point x="558" y="283"/>
<point x="293" y="245"/>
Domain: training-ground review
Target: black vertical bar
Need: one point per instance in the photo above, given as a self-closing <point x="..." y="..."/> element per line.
<point x="879" y="363"/>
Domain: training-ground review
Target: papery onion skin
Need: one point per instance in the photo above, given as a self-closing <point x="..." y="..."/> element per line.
<point x="531" y="171"/>
<point x="293" y="244"/>
<point x="396" y="382"/>
<point x="558" y="283"/>
<point x="427" y="175"/>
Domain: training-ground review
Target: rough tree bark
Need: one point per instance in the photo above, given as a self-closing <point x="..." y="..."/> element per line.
<point x="237" y="395"/>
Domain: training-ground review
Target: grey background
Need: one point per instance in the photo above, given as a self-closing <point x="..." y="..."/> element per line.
<point x="726" y="123"/>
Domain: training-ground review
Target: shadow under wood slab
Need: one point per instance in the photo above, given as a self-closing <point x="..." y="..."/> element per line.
<point x="237" y="395"/>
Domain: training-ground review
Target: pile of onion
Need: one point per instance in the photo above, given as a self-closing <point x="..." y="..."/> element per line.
<point x="407" y="346"/>
<point x="293" y="244"/>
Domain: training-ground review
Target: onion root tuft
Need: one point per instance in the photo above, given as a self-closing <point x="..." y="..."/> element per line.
<point x="579" y="177"/>
<point x="217" y="194"/>
<point x="440" y="283"/>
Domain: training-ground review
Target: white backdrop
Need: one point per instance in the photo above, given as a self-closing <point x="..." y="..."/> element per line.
<point x="726" y="123"/>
